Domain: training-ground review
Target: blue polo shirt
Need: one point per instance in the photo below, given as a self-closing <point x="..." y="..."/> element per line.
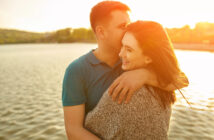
<point x="86" y="79"/>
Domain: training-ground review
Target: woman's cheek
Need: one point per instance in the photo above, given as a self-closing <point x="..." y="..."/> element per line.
<point x="129" y="56"/>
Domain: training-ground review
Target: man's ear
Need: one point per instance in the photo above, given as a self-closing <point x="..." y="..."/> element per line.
<point x="148" y="60"/>
<point x="100" y="32"/>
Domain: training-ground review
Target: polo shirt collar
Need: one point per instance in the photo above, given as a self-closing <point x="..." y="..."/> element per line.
<point x="92" y="58"/>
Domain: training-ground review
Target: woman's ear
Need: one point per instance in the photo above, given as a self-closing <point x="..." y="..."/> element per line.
<point x="100" y="32"/>
<point x="148" y="60"/>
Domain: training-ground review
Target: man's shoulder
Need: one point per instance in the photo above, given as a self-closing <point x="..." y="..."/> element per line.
<point x="79" y="63"/>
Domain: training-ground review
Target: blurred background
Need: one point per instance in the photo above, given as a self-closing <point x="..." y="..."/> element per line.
<point x="40" y="38"/>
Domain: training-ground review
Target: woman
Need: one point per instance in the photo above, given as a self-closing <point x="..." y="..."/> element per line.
<point x="145" y="45"/>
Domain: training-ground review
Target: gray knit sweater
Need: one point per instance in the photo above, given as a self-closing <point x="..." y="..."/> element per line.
<point x="143" y="118"/>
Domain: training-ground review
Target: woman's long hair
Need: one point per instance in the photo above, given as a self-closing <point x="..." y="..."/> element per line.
<point x="156" y="44"/>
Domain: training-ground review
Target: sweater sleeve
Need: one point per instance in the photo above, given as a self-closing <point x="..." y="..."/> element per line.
<point x="143" y="117"/>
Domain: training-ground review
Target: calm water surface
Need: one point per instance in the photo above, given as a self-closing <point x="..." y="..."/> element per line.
<point x="31" y="84"/>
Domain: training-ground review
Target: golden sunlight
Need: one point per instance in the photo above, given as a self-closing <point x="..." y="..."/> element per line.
<point x="51" y="15"/>
<point x="47" y="65"/>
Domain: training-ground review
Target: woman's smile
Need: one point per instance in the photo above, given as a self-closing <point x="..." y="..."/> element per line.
<point x="125" y="62"/>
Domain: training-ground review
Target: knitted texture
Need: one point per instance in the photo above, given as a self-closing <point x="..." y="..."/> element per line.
<point x="143" y="118"/>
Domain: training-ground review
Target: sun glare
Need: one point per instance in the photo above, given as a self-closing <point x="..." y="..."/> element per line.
<point x="172" y="13"/>
<point x="51" y="15"/>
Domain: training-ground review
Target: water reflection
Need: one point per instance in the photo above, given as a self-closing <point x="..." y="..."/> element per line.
<point x="31" y="79"/>
<point x="199" y="69"/>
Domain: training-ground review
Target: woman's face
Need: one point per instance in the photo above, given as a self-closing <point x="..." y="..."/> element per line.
<point x="131" y="53"/>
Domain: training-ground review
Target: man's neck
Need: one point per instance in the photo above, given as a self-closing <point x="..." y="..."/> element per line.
<point x="107" y="57"/>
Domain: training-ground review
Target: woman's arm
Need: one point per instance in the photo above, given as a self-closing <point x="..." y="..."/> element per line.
<point x="180" y="82"/>
<point x="74" y="118"/>
<point x="133" y="80"/>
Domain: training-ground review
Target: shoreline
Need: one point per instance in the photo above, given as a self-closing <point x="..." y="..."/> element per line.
<point x="194" y="47"/>
<point x="177" y="46"/>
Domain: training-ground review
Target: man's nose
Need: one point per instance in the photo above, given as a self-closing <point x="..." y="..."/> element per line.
<point x="121" y="53"/>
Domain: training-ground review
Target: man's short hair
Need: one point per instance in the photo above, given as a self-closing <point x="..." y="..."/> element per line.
<point x="101" y="12"/>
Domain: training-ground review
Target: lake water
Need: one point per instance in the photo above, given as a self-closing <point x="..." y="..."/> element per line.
<point x="31" y="85"/>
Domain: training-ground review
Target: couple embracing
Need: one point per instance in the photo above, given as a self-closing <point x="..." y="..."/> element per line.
<point x="124" y="89"/>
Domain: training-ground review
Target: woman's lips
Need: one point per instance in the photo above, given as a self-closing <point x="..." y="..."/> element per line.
<point x="125" y="62"/>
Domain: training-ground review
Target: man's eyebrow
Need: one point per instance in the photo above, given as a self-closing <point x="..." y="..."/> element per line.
<point x="127" y="46"/>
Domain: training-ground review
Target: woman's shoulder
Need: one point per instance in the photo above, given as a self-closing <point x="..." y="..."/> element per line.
<point x="145" y="93"/>
<point x="147" y="96"/>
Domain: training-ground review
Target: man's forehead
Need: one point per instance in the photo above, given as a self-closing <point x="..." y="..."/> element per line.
<point x="120" y="19"/>
<point x="118" y="14"/>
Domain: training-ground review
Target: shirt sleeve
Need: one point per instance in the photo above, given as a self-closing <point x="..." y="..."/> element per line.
<point x="73" y="88"/>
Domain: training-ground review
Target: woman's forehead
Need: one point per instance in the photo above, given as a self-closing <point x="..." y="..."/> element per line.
<point x="129" y="39"/>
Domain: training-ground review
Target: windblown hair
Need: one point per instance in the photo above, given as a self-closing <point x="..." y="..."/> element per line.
<point x="101" y="12"/>
<point x="155" y="43"/>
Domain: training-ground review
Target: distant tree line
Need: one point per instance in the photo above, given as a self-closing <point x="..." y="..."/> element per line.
<point x="15" y="36"/>
<point x="202" y="33"/>
<point x="60" y="36"/>
<point x="70" y="35"/>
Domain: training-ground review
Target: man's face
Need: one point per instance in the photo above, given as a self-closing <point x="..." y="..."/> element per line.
<point x="116" y="29"/>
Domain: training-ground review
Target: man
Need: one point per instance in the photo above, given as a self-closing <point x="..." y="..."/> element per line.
<point x="89" y="76"/>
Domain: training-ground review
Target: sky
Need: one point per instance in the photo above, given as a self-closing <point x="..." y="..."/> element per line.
<point x="50" y="15"/>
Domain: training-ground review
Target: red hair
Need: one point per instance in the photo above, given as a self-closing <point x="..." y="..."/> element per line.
<point x="155" y="43"/>
<point x="101" y="11"/>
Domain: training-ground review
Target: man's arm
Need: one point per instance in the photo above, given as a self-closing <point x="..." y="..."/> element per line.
<point x="129" y="82"/>
<point x="74" y="119"/>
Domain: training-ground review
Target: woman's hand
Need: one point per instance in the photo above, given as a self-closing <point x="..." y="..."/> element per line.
<point x="129" y="82"/>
